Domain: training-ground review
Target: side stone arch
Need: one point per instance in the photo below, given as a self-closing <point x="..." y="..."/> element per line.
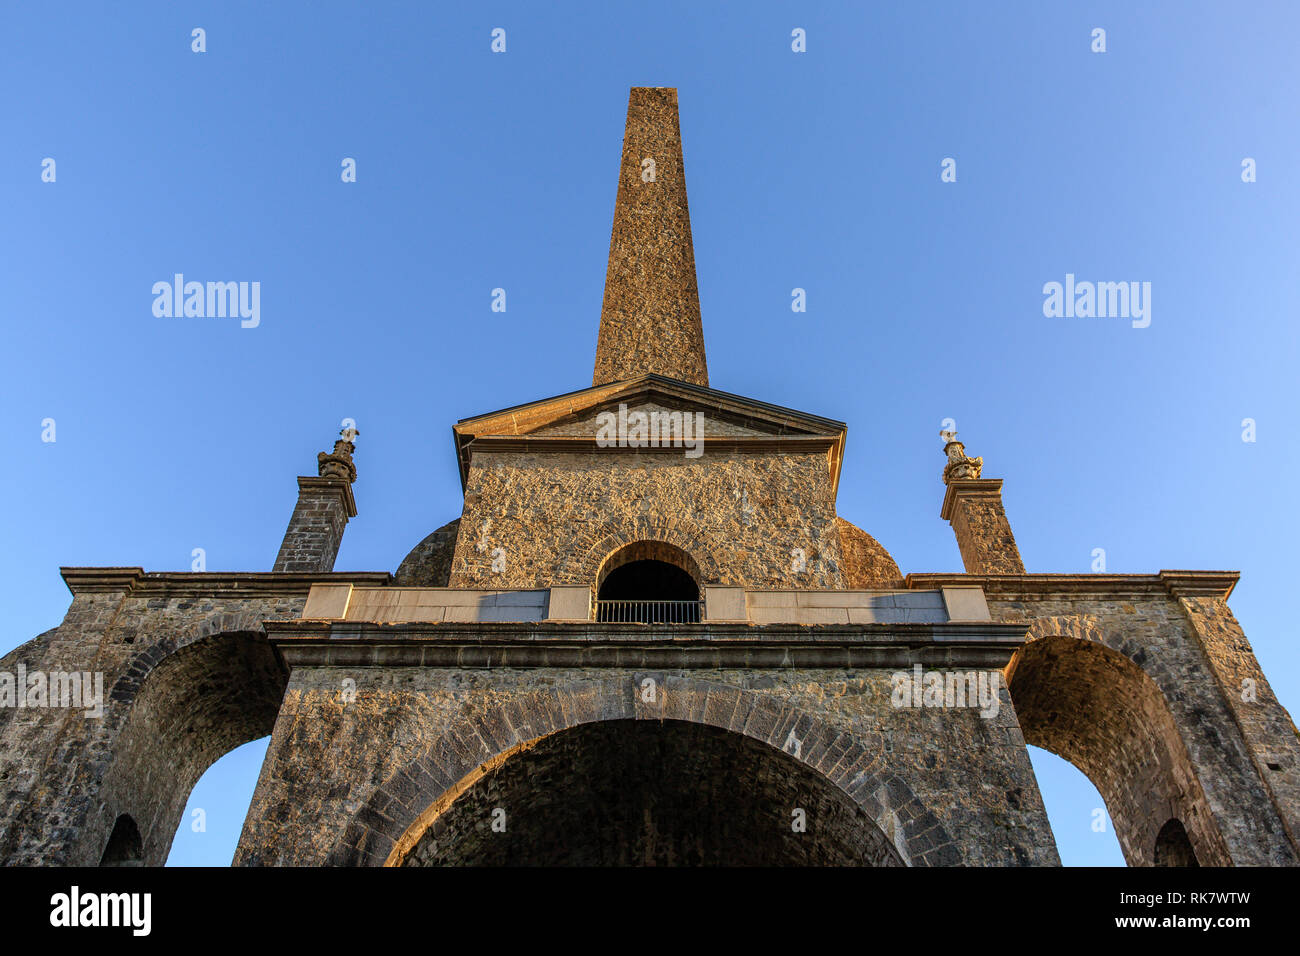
<point x="179" y="706"/>
<point x="487" y="733"/>
<point x="184" y="674"/>
<point x="1083" y="693"/>
<point x="142" y="664"/>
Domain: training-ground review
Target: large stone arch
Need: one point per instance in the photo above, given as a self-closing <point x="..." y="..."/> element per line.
<point x="647" y="792"/>
<point x="485" y="736"/>
<point x="1081" y="696"/>
<point x="180" y="705"/>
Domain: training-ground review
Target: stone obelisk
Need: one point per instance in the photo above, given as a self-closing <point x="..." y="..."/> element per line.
<point x="650" y="318"/>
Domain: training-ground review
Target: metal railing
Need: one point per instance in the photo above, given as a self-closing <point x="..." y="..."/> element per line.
<point x="649" y="612"/>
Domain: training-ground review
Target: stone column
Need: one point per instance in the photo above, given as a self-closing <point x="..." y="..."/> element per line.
<point x="325" y="503"/>
<point x="973" y="506"/>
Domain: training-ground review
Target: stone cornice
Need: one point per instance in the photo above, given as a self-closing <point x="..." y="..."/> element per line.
<point x="339" y="486"/>
<point x="583" y="644"/>
<point x="205" y="583"/>
<point x="1217" y="584"/>
<point x="92" y="580"/>
<point x="571" y="444"/>
<point x="1010" y="586"/>
<point x="968" y="488"/>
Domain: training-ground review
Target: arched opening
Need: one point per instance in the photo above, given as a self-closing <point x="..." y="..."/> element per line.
<point x="213" y="819"/>
<point x="649" y="582"/>
<point x="1076" y="812"/>
<point x="125" y="847"/>
<point x="1173" y="848"/>
<point x="649" y="793"/>
<point x="1096" y="708"/>
<point x="197" y="704"/>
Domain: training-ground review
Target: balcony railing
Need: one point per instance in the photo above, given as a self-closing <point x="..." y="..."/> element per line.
<point x="649" y="612"/>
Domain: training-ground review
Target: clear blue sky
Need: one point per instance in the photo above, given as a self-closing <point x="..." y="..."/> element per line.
<point x="818" y="170"/>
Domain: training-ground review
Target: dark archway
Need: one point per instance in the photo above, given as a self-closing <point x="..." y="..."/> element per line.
<point x="651" y="793"/>
<point x="649" y="582"/>
<point x="1173" y="848"/>
<point x="125" y="847"/>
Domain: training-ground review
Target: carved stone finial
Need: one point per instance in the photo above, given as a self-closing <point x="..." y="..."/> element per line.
<point x="959" y="467"/>
<point x="338" y="463"/>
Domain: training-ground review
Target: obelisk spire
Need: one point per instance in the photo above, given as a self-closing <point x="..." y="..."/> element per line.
<point x="650" y="319"/>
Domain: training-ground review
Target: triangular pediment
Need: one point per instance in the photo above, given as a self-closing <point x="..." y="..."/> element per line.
<point x="652" y="409"/>
<point x="577" y="416"/>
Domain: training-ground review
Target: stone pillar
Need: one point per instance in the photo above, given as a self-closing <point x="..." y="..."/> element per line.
<point x="973" y="506"/>
<point x="325" y="504"/>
